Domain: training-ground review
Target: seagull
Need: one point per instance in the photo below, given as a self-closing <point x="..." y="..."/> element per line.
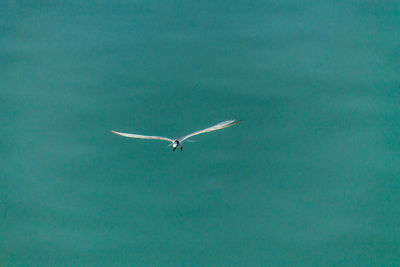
<point x="178" y="142"/>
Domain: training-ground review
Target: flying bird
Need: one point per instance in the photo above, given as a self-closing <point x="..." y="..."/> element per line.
<point x="178" y="142"/>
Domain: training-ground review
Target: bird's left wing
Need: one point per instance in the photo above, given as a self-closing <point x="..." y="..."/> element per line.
<point x="219" y="126"/>
<point x="142" y="136"/>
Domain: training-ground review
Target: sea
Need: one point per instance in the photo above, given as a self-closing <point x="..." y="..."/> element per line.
<point x="310" y="177"/>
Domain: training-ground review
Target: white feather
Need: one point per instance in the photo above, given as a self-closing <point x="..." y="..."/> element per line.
<point x="219" y="126"/>
<point x="143" y="136"/>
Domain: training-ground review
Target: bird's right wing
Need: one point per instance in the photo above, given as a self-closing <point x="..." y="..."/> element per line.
<point x="143" y="136"/>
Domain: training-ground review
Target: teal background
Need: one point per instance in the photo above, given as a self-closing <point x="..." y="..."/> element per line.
<point x="309" y="178"/>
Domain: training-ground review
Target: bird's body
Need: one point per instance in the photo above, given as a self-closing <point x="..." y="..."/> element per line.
<point x="178" y="142"/>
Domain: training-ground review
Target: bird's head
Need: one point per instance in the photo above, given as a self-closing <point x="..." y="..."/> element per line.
<point x="175" y="144"/>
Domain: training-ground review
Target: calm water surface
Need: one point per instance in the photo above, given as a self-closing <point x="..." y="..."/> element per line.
<point x="310" y="178"/>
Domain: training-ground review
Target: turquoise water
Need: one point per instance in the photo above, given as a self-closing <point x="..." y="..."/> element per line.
<point x="309" y="178"/>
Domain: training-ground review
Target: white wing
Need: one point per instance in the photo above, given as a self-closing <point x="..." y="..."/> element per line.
<point x="142" y="136"/>
<point x="219" y="126"/>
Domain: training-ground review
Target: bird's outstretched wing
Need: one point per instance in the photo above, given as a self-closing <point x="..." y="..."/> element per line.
<point x="219" y="126"/>
<point x="143" y="136"/>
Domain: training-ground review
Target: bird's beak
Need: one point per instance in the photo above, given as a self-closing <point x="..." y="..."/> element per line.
<point x="174" y="148"/>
